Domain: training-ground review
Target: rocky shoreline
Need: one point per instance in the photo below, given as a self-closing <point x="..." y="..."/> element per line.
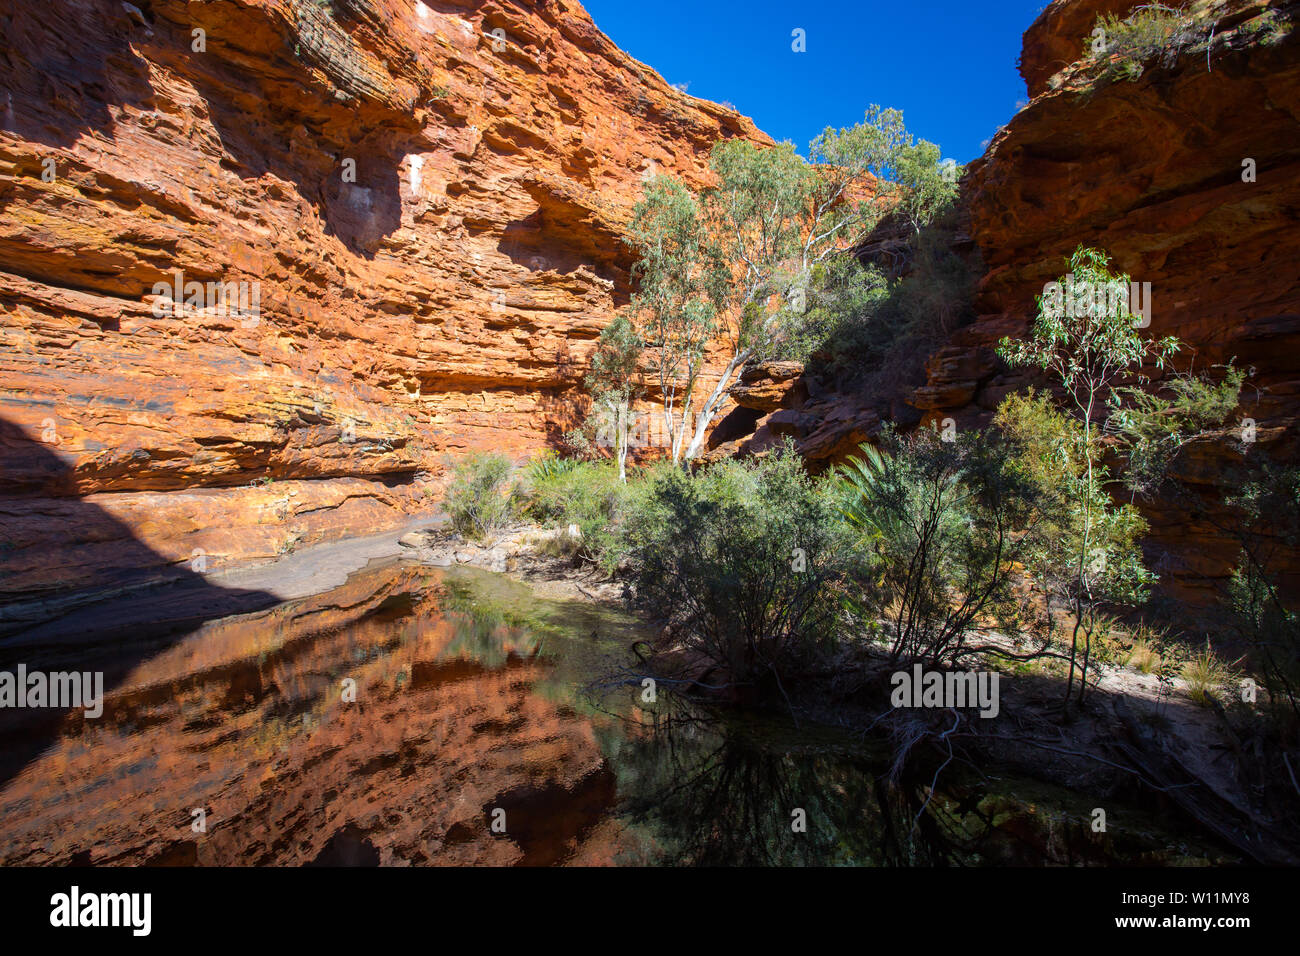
<point x="542" y="558"/>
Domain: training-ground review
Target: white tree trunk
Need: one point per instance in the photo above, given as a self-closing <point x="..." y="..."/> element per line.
<point x="705" y="418"/>
<point x="621" y="449"/>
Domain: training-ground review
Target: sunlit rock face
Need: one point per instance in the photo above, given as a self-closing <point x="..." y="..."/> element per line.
<point x="317" y="243"/>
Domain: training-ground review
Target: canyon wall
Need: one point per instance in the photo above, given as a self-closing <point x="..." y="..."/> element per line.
<point x="1154" y="171"/>
<point x="421" y="204"/>
<point x="1151" y="170"/>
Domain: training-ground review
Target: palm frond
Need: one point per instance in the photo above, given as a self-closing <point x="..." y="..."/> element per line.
<point x="862" y="478"/>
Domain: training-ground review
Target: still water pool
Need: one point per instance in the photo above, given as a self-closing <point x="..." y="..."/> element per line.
<point x="418" y="716"/>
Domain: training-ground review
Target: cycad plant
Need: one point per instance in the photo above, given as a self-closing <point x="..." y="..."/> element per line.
<point x="943" y="522"/>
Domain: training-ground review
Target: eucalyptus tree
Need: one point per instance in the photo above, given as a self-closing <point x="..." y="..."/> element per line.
<point x="735" y="264"/>
<point x="1087" y="337"/>
<point x="680" y="291"/>
<point x="777" y="218"/>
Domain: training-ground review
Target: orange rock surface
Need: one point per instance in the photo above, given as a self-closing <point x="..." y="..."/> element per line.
<point x="426" y="199"/>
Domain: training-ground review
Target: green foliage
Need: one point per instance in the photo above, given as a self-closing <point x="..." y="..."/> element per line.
<point x="907" y="178"/>
<point x="783" y="221"/>
<point x="479" y="499"/>
<point x="1155" y="425"/>
<point x="1087" y="338"/>
<point x="918" y="184"/>
<point x="1040" y="433"/>
<point x="745" y="559"/>
<point x="945" y="521"/>
<point x="681" y="286"/>
<point x="842" y="314"/>
<point x="591" y="495"/>
<point x="1150" y="32"/>
<point x="1264" y="610"/>
<point x="613" y="382"/>
<point x="1122" y="47"/>
<point x="1088" y="551"/>
<point x="870" y="327"/>
<point x="862" y="481"/>
<point x="613" y="371"/>
<point x="758" y="210"/>
<point x="549" y="467"/>
<point x="1087" y="344"/>
<point x="746" y="257"/>
<point x="1270" y="27"/>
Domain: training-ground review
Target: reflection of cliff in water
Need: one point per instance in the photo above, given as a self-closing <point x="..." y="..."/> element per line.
<point x="79" y="590"/>
<point x="245" y="720"/>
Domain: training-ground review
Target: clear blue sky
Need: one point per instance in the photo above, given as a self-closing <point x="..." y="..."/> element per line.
<point x="949" y="65"/>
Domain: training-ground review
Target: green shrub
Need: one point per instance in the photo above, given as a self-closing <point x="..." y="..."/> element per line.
<point x="945" y="521"/>
<point x="549" y="467"/>
<point x="1152" y="31"/>
<point x="1087" y="551"/>
<point x="871" y="327"/>
<point x="745" y="559"/>
<point x="589" y="494"/>
<point x="479" y="500"/>
<point x="1268" y="27"/>
<point x="1155" y="426"/>
<point x="1094" y="352"/>
<point x="1261" y="597"/>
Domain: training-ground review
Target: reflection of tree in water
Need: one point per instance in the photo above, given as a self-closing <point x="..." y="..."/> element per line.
<point x="715" y="792"/>
<point x="708" y="789"/>
<point x="724" y="801"/>
<point x="703" y="786"/>
<point x="711" y="790"/>
<point x="486" y="631"/>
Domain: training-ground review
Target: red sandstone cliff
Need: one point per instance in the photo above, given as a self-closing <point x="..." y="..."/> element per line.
<point x="429" y="196"/>
<point x="1149" y="170"/>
